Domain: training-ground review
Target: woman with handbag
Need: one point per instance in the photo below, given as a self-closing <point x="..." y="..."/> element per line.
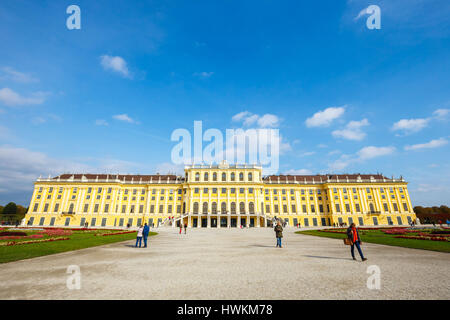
<point x="354" y="240"/>
<point x="278" y="233"/>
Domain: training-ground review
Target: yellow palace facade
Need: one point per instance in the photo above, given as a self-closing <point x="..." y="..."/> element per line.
<point x="219" y="196"/>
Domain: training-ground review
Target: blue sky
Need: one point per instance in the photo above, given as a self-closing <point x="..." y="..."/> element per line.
<point x="107" y="97"/>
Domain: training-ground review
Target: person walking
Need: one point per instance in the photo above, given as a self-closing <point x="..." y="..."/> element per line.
<point x="145" y="233"/>
<point x="181" y="227"/>
<point x="185" y="227"/>
<point x="278" y="233"/>
<point x="353" y="235"/>
<point x="140" y="231"/>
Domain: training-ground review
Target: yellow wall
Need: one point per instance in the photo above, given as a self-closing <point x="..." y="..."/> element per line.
<point x="319" y="204"/>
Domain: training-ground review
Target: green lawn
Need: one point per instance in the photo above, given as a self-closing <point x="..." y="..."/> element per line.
<point x="78" y="240"/>
<point x="379" y="237"/>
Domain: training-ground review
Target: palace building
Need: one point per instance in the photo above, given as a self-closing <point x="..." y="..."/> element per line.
<point x="219" y="196"/>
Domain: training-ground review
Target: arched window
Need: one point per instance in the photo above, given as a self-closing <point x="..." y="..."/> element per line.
<point x="184" y="207"/>
<point x="251" y="208"/>
<point x="372" y="209"/>
<point x="214" y="208"/>
<point x="223" y="208"/>
<point x="214" y="176"/>
<point x="71" y="208"/>
<point x="205" y="208"/>
<point x="232" y="176"/>
<point x="250" y="177"/>
<point x="195" y="207"/>
<point x="241" y="176"/>
<point x="224" y="176"/>
<point x="205" y="176"/>
<point x="233" y="207"/>
<point x="242" y="208"/>
<point x="197" y="176"/>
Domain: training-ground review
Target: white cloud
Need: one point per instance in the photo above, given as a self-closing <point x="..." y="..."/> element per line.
<point x="373" y="152"/>
<point x="116" y="64"/>
<point x="410" y="125"/>
<point x="325" y="117"/>
<point x="101" y="122"/>
<point x="203" y="74"/>
<point x="11" y="98"/>
<point x="441" y="114"/>
<point x="308" y="153"/>
<point x="429" y="145"/>
<point x="265" y="121"/>
<point x="16" y="76"/>
<point x="362" y="155"/>
<point x="19" y="167"/>
<point x="240" y="116"/>
<point x="361" y="13"/>
<point x="352" y="131"/>
<point x="124" y="117"/>
<point x="321" y="145"/>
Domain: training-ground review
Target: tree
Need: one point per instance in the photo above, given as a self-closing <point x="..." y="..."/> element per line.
<point x="1" y="209"/>
<point x="10" y="208"/>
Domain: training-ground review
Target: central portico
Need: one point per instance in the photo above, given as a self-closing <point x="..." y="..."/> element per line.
<point x="223" y="196"/>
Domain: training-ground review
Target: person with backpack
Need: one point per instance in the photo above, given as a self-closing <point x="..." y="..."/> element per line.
<point x="278" y="233"/>
<point x="145" y="233"/>
<point x="355" y="240"/>
<point x="140" y="232"/>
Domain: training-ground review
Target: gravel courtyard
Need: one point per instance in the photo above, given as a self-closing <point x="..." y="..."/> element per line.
<point x="230" y="264"/>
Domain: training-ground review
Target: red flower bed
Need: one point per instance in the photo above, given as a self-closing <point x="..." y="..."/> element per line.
<point x="13" y="243"/>
<point x="13" y="233"/>
<point x="56" y="232"/>
<point x="424" y="238"/>
<point x="32" y="236"/>
<point x="115" y="233"/>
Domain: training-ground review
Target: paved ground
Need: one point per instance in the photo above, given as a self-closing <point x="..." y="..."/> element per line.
<point x="230" y="264"/>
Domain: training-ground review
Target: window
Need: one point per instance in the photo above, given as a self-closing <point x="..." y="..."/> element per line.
<point x="250" y="190"/>
<point x="276" y="208"/>
<point x="293" y="208"/>
<point x="109" y="190"/>
<point x="224" y="190"/>
<point x="214" y="190"/>
<point x="233" y="207"/>
<point x="152" y="208"/>
<point x="241" y="190"/>
<point x="106" y="208"/>
<point x="223" y="207"/>
<point x="285" y="210"/>
<point x="197" y="176"/>
<point x="124" y="208"/>
<point x="405" y="206"/>
<point x="96" y="207"/>
<point x="381" y="190"/>
<point x="354" y="190"/>
<point x="161" y="208"/>
<point x="313" y="209"/>
<point x="368" y="190"/>
<point x="232" y="176"/>
<point x="358" y="209"/>
<point x="46" y="207"/>
<point x="395" y="207"/>
<point x="338" y="208"/>
<point x="56" y="207"/>
<point x="347" y="207"/>
<point x="214" y="176"/>
<point x="195" y="207"/>
<point x="385" y="206"/>
<point x="371" y="207"/>
<point x="196" y="190"/>
<point x="275" y="191"/>
<point x="134" y="191"/>
<point x="205" y="176"/>
<point x="344" y="190"/>
<point x="242" y="207"/>
<point x="321" y="208"/>
<point x="250" y="177"/>
<point x="233" y="190"/>
<point x="304" y="208"/>
<point x="205" y="190"/>
<point x="241" y="176"/>
<point x="169" y="208"/>
<point x="214" y="208"/>
<point x="334" y="190"/>
<point x="224" y="176"/>
<point x="267" y="208"/>
<point x="86" y="207"/>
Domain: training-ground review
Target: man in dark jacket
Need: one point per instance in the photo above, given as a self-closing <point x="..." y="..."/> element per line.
<point x="278" y="233"/>
<point x="353" y="235"/>
<point x="145" y="234"/>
